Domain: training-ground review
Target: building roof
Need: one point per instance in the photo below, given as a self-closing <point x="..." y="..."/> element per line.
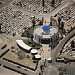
<point x="52" y="31"/>
<point x="23" y="45"/>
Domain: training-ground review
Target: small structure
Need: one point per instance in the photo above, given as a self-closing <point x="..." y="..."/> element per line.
<point x="33" y="51"/>
<point x="22" y="45"/>
<point x="49" y="60"/>
<point x="37" y="56"/>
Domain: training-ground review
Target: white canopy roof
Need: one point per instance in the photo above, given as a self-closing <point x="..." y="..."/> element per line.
<point x="37" y="56"/>
<point x="49" y="58"/>
<point x="23" y="45"/>
<point x="33" y="51"/>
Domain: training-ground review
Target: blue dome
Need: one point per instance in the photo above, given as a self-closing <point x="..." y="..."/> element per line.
<point x="46" y="27"/>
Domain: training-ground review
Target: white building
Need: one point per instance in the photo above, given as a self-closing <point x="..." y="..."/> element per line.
<point x="45" y="34"/>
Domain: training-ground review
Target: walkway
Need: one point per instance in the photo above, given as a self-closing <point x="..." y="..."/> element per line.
<point x="46" y="53"/>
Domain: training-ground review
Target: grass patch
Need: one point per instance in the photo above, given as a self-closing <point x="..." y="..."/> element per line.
<point x="28" y="31"/>
<point x="31" y="44"/>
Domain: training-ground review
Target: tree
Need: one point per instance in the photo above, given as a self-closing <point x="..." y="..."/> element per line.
<point x="59" y="21"/>
<point x="45" y="22"/>
<point x="21" y="55"/>
<point x="33" y="22"/>
<point x="41" y="22"/>
<point x="13" y="34"/>
<point x="51" y="21"/>
<point x="0" y="27"/>
<point x="28" y="34"/>
<point x="72" y="43"/>
<point x="42" y="19"/>
<point x="32" y="39"/>
<point x="64" y="32"/>
<point x="40" y="73"/>
<point x="43" y="4"/>
<point x="62" y="25"/>
<point x="41" y="68"/>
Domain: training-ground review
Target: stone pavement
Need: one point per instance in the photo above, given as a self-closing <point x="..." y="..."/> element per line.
<point x="46" y="53"/>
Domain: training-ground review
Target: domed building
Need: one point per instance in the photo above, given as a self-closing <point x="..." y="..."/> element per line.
<point x="46" y="34"/>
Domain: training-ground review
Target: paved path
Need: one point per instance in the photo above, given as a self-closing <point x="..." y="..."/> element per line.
<point x="46" y="53"/>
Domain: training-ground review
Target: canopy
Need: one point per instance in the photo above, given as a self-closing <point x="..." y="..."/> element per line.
<point x="33" y="51"/>
<point x="37" y="56"/>
<point x="23" y="45"/>
<point x="49" y="58"/>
